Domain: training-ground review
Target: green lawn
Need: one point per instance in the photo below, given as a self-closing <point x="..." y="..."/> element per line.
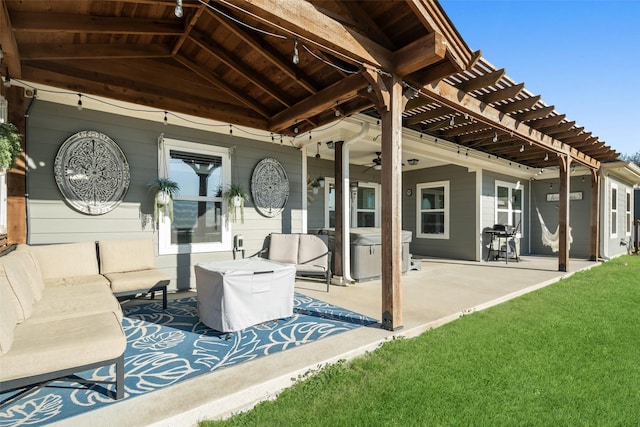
<point x="565" y="355"/>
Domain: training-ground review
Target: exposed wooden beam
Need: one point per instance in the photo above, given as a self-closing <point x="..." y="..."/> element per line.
<point x="428" y="115"/>
<point x="502" y="94"/>
<point x="549" y="121"/>
<point x="362" y="21"/>
<point x="210" y="77"/>
<point x="559" y="128"/>
<point x="191" y="23"/>
<point x="308" y="24"/>
<point x="11" y="58"/>
<point x="488" y="79"/>
<point x="268" y="52"/>
<point x="522" y="104"/>
<point x="419" y="54"/>
<point x="434" y="73"/>
<point x="142" y="93"/>
<point x="534" y="114"/>
<point x="66" y="23"/>
<point x="323" y="100"/>
<point x="54" y="52"/>
<point x="464" y="103"/>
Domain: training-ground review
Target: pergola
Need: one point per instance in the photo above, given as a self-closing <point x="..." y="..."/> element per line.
<point x="289" y="67"/>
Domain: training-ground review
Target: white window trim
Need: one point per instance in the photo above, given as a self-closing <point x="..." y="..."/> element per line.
<point x="164" y="228"/>
<point x="375" y="210"/>
<point x="510" y="211"/>
<point x="328" y="182"/>
<point x="613" y="208"/>
<point x="628" y="219"/>
<point x="419" y="187"/>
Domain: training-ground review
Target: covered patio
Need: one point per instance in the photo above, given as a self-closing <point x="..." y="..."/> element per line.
<point x="441" y="292"/>
<point x="287" y="69"/>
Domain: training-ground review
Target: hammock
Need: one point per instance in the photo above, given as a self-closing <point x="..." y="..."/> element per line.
<point x="550" y="239"/>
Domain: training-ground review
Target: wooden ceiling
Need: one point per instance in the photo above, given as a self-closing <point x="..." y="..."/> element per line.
<point x="233" y="61"/>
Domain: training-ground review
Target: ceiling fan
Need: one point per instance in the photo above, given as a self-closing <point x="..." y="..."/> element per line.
<point x="376" y="162"/>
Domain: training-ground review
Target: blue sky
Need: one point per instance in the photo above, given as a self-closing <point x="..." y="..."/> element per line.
<point x="583" y="56"/>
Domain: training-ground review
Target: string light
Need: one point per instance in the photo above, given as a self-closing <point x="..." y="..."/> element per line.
<point x="453" y="121"/>
<point x="495" y="137"/>
<point x="318" y="151"/>
<point x="295" y="58"/>
<point x="295" y="128"/>
<point x="546" y="157"/>
<point x="272" y="138"/>
<point x="522" y="148"/>
<point x="7" y="79"/>
<point x="230" y="129"/>
<point x="178" y="10"/>
<point x="79" y="107"/>
<point x="165" y="118"/>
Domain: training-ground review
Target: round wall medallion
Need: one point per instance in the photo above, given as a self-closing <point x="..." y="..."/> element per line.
<point x="269" y="187"/>
<point x="92" y="172"/>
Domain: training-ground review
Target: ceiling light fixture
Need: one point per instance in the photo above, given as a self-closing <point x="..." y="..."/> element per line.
<point x="295" y="58"/>
<point x="178" y="11"/>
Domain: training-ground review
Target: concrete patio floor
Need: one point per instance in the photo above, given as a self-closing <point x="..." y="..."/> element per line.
<point x="440" y="292"/>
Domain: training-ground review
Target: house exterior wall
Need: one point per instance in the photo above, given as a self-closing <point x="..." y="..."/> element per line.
<point x="461" y="243"/>
<point x="488" y="209"/>
<point x="618" y="242"/>
<point x="51" y="220"/>
<point x="579" y="215"/>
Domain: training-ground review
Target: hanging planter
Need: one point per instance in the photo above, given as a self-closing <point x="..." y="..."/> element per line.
<point x="235" y="197"/>
<point x="10" y="146"/>
<point x="163" y="189"/>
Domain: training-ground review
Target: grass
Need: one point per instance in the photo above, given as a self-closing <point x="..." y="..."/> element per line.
<point x="568" y="354"/>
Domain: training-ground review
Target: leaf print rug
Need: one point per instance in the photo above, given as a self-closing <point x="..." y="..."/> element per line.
<point x="165" y="347"/>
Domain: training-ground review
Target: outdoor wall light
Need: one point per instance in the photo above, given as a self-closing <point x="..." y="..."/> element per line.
<point x="321" y="182"/>
<point x="413" y="162"/>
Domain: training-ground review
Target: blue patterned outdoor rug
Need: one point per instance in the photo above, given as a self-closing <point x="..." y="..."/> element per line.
<point x="165" y="347"/>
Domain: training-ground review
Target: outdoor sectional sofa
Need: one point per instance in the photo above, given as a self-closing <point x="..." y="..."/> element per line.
<point x="308" y="252"/>
<point x="59" y="314"/>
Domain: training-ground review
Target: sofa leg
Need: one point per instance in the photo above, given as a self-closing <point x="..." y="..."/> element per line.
<point x="120" y="377"/>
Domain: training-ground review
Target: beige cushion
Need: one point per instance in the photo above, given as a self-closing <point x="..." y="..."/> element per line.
<point x="136" y="280"/>
<point x="64" y="302"/>
<point x="28" y="272"/>
<point x="17" y="282"/>
<point x="66" y="260"/>
<point x="117" y="256"/>
<point x="94" y="279"/>
<point x="283" y="248"/>
<point x="8" y="319"/>
<point x="48" y="347"/>
<point x="313" y="252"/>
<point x="33" y="269"/>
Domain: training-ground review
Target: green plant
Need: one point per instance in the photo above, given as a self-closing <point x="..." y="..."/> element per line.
<point x="163" y="190"/>
<point x="235" y="193"/>
<point x="10" y="147"/>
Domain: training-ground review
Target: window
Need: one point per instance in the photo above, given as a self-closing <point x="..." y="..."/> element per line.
<point x="432" y="218"/>
<point x="629" y="213"/>
<point x="366" y="206"/>
<point x="330" y="197"/>
<point x="614" y="211"/>
<point x="202" y="172"/>
<point x="509" y="204"/>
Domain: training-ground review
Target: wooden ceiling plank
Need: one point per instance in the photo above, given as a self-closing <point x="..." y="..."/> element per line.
<point x="361" y="20"/>
<point x="11" y="59"/>
<point x="419" y="54"/>
<point x="522" y="104"/>
<point x="464" y="103"/>
<point x="208" y="76"/>
<point x="54" y="52"/>
<point x="236" y="64"/>
<point x="488" y="79"/>
<point x="66" y="23"/>
<point x="193" y="20"/>
<point x="323" y="100"/>
<point x="300" y="19"/>
<point x="534" y="114"/>
<point x="502" y="94"/>
<point x="268" y="52"/>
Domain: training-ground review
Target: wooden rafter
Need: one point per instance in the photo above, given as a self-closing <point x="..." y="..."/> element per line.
<point x="501" y="94"/>
<point x="428" y="115"/>
<point x="11" y="58"/>
<point x="521" y="104"/>
<point x="488" y="79"/>
<point x="419" y="54"/>
<point x="54" y="52"/>
<point x="533" y="114"/>
<point x="546" y="122"/>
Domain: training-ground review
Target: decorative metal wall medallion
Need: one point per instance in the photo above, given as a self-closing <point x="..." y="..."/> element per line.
<point x="269" y="187"/>
<point x="92" y="172"/>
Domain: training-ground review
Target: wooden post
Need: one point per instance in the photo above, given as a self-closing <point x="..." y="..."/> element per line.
<point x="338" y="267"/>
<point x="594" y="237"/>
<point x="391" y="204"/>
<point x="16" y="177"/>
<point x="563" y="248"/>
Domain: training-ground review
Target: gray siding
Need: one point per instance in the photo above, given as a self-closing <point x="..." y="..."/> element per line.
<point x="51" y="220"/>
<point x="579" y="216"/>
<point x="462" y="216"/>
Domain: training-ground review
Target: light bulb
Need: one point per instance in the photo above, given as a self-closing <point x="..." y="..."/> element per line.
<point x="295" y="58"/>
<point x="79" y="107"/>
<point x="165" y="119"/>
<point x="522" y="148"/>
<point x="178" y="10"/>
